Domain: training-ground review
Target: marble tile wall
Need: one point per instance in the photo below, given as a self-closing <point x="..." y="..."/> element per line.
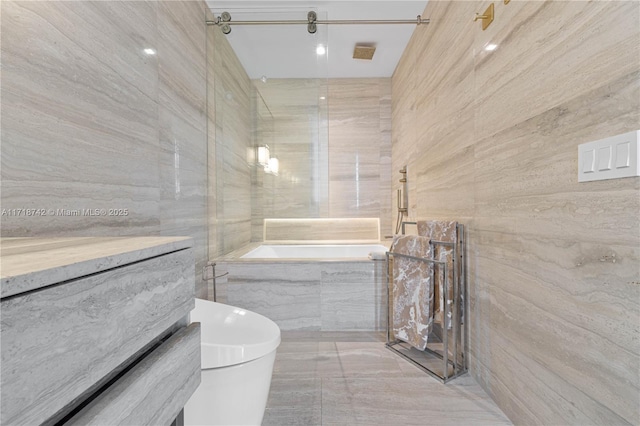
<point x="182" y="119"/>
<point x="353" y="296"/>
<point x="490" y="139"/>
<point x="344" y="172"/>
<point x="356" y="230"/>
<point x="321" y="296"/>
<point x="292" y="129"/>
<point x="229" y="140"/>
<point x="92" y="122"/>
<point x="359" y="149"/>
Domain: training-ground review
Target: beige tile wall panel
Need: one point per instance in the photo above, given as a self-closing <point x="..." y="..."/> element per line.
<point x="67" y="109"/>
<point x="386" y="195"/>
<point x="231" y="141"/>
<point x="491" y="138"/>
<point x="553" y="52"/>
<point x="183" y="124"/>
<point x="359" y="122"/>
<point x="320" y="229"/>
<point x="89" y="121"/>
<point x="358" y="140"/>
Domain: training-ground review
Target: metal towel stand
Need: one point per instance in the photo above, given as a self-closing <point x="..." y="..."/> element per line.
<point x="450" y="361"/>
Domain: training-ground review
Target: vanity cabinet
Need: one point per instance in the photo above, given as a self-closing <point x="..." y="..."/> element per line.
<point x="95" y="330"/>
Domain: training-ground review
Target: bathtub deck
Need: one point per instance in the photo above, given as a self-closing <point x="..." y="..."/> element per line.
<point x="349" y="378"/>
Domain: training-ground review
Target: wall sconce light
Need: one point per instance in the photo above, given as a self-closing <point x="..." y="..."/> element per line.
<point x="273" y="166"/>
<point x="263" y="155"/>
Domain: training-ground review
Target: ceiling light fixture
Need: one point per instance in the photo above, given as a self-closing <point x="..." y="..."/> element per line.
<point x="149" y="51"/>
<point x="321" y="50"/>
<point x="490" y="47"/>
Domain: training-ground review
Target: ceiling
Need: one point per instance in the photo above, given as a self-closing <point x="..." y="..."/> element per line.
<point x="289" y="51"/>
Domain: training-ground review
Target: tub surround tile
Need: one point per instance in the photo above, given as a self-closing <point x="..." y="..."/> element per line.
<point x="290" y="305"/>
<point x="352" y="297"/>
<point x="386" y="173"/>
<point x="277" y="291"/>
<point x="552" y="263"/>
<point x="353" y="154"/>
<point x="347" y="272"/>
<point x="358" y="143"/>
<point x="322" y="229"/>
<point x="328" y="295"/>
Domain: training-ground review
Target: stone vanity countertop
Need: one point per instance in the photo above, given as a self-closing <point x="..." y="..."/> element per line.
<point x="31" y="263"/>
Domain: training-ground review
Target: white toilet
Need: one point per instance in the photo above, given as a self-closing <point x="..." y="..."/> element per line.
<point x="238" y="350"/>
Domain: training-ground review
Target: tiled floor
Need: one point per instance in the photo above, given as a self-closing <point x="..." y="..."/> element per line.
<point x="352" y="379"/>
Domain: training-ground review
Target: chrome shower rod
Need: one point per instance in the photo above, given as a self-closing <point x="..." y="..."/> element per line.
<point x="327" y="22"/>
<point x="225" y="22"/>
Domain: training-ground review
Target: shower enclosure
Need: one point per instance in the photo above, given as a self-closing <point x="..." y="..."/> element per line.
<point x="268" y="132"/>
<point x="288" y="136"/>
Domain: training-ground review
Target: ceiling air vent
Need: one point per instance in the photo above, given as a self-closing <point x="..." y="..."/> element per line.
<point x="362" y="51"/>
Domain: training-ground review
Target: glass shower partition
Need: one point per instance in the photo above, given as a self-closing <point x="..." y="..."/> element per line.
<point x="268" y="125"/>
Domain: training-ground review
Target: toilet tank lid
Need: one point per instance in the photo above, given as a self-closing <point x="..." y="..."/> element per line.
<point x="231" y="335"/>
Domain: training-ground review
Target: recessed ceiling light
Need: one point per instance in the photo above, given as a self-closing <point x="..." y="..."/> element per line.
<point x="322" y="98"/>
<point x="149" y="51"/>
<point x="491" y="47"/>
<point x="321" y="50"/>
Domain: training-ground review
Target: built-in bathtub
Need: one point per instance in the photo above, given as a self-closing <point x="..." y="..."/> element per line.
<point x="326" y="287"/>
<point x="314" y="251"/>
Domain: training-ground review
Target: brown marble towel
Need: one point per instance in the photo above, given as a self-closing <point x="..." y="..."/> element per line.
<point x="445" y="231"/>
<point x="412" y="291"/>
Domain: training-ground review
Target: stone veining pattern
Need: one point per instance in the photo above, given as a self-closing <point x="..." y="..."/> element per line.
<point x="490" y="138"/>
<point x="90" y="122"/>
<point x="309" y="295"/>
<point x="446" y="232"/>
<point x="412" y="290"/>
<point x="60" y="340"/>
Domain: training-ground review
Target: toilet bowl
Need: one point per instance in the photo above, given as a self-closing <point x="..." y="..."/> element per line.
<point x="238" y="349"/>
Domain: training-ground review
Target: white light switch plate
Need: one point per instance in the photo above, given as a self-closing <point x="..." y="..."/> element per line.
<point x="610" y="158"/>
